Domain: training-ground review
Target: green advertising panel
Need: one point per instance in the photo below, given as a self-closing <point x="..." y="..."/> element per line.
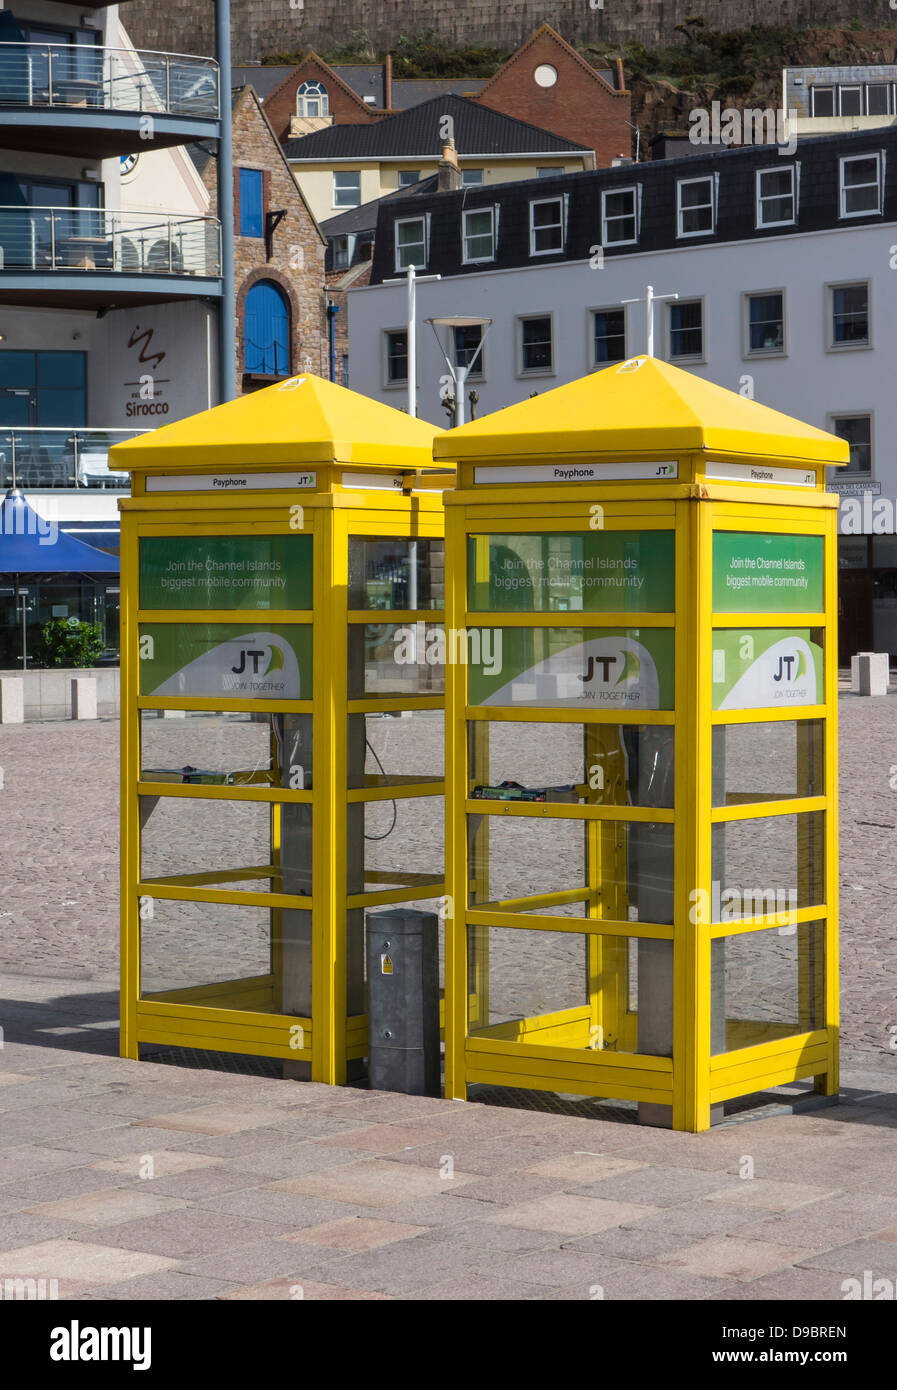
<point x="206" y="572"/>
<point x="570" y="667"/>
<point x="759" y="668"/>
<point x="226" y="659"/>
<point x="579" y="571"/>
<point x="754" y="573"/>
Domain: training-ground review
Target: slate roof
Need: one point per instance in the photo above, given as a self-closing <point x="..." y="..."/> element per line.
<point x="364" y="218"/>
<point x="415" y="133"/>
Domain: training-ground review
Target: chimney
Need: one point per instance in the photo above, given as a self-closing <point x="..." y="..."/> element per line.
<point x="621" y="80"/>
<point x="387" y="82"/>
<point x="449" y="175"/>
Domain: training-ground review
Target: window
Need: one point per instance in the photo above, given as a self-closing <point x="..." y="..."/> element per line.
<point x="695" y="206"/>
<point x="878" y="99"/>
<point x="396" y="357"/>
<point x="547" y="172"/>
<point x="860" y="185"/>
<point x="479" y="234"/>
<point x="471" y="178"/>
<point x="43" y="388"/>
<point x="467" y="340"/>
<point x="252" y="217"/>
<point x="342" y="251"/>
<point x="765" y="323"/>
<point x="851" y="101"/>
<point x="618" y="217"/>
<point x="608" y="336"/>
<point x="408" y="177"/>
<point x="849" y="315"/>
<point x="411" y="243"/>
<point x="347" y="188"/>
<point x="312" y="100"/>
<point x="857" y="430"/>
<point x="536" y="353"/>
<point x="822" y="101"/>
<point x="776" y="197"/>
<point x="266" y="331"/>
<point x="546" y="226"/>
<point x="686" y="319"/>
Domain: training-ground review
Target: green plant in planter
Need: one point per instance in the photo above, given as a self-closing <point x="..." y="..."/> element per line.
<point x="70" y="642"/>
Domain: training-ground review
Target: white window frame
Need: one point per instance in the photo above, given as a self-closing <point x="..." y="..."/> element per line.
<point x="401" y="383"/>
<point x="472" y="212"/>
<point x="830" y="344"/>
<point x="554" y="250"/>
<point x="705" y="231"/>
<point x="635" y="190"/>
<point x="889" y="89"/>
<point x="846" y="414"/>
<point x="851" y="87"/>
<point x="479" y="371"/>
<point x="467" y="182"/>
<point x="824" y="87"/>
<point x="760" y="197"/>
<point x="527" y="372"/>
<point x="423" y="218"/>
<point x="345" y="207"/>
<point x="878" y="156"/>
<point x="680" y="303"/>
<point x="594" y="364"/>
<point x="403" y="173"/>
<point x="747" y="351"/>
<point x="321" y="95"/>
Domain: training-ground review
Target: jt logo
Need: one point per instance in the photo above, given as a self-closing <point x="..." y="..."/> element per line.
<point x="786" y="662"/>
<point x="256" y="658"/>
<point x="606" y="662"/>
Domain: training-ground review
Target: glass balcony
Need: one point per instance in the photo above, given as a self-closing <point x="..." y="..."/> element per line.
<point x="72" y="76"/>
<point x="95" y="239"/>
<point x="34" y="457"/>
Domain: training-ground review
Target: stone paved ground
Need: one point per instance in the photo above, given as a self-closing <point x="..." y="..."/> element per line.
<point x="141" y="1180"/>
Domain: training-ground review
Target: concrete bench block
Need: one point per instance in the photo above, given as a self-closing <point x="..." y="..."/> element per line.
<point x="869" y="673"/>
<point x="12" y="700"/>
<point x="84" y="697"/>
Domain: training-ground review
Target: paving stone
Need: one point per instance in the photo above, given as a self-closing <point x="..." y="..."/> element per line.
<point x="794" y="1285"/>
<point x="124" y="1139"/>
<point x="510" y="1188"/>
<point x="213" y="1119"/>
<point x="409" y="1265"/>
<point x="485" y="1235"/>
<point x="731" y="1257"/>
<point x="187" y="1233"/>
<point x="703" y="1218"/>
<point x="373" y="1183"/>
<point x="53" y="1187"/>
<point x="30" y="1228"/>
<point x="22" y="1164"/>
<point x="659" y="1187"/>
<point x="770" y="1195"/>
<point x="561" y="1267"/>
<point x="570" y="1215"/>
<point x="385" y="1139"/>
<point x="201" y="1184"/>
<point x="445" y="1209"/>
<point x="254" y="1263"/>
<point x="78" y="1265"/>
<point x="475" y="1290"/>
<point x="290" y="1210"/>
<point x="308" y="1292"/>
<point x="632" y="1242"/>
<point x="583" y="1168"/>
<point x="879" y="1257"/>
<point x="108" y="1206"/>
<point x="169" y="1285"/>
<point x="356" y="1233"/>
<point x="165" y="1163"/>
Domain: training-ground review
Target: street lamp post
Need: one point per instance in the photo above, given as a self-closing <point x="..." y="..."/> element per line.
<point x="460" y="373"/>
<point x="412" y="280"/>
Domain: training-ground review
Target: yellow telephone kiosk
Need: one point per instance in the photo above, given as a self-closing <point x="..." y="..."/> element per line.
<point x="641" y="746"/>
<point x="282" y="575"/>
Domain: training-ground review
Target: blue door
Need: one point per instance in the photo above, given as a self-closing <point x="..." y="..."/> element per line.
<point x="266" y="331"/>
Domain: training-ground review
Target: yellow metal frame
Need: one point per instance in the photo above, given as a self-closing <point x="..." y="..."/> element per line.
<point x="556" y="1052"/>
<point x="239" y="1015"/>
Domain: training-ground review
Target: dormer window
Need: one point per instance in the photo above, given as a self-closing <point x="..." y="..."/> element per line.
<point x="312" y="100"/>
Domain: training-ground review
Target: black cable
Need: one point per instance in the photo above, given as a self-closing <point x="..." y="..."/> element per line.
<point x="395" y="812"/>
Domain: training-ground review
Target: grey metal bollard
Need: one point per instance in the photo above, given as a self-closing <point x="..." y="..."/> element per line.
<point x="84" y="697"/>
<point x="869" y="673"/>
<point x="12" y="700"/>
<point x="403" y="1001"/>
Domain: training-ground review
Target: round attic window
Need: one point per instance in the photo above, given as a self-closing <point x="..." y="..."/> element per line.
<point x="545" y="75"/>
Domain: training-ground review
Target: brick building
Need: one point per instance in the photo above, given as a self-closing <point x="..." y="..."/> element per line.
<point x="549" y="85"/>
<point x="278" y="256"/>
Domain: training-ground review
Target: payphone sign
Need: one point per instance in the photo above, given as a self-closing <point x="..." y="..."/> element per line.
<point x="758" y="573"/>
<point x="216" y="572"/>
<point x="764" y="668"/>
<point x="226" y="660"/>
<point x="580" y="571"/>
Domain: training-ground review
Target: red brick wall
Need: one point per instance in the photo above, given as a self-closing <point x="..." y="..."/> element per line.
<point x="345" y="107"/>
<point x="580" y="106"/>
<point x="297" y="261"/>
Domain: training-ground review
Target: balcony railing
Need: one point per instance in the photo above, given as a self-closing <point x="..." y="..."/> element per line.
<point x="78" y="76"/>
<point x="34" y="457"/>
<point x="130" y="243"/>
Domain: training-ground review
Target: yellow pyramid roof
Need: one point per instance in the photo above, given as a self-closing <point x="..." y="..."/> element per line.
<point x="641" y="406"/>
<point x="301" y="420"/>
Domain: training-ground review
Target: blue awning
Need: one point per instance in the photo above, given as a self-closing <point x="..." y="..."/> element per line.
<point x="31" y="545"/>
